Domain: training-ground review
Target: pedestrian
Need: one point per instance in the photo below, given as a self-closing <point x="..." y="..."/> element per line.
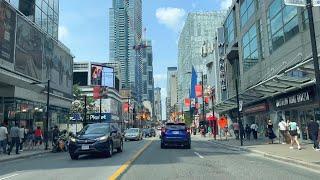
<point x="38" y="135"/>
<point x="293" y="130"/>
<point x="254" y="129"/>
<point x="3" y="138"/>
<point x="283" y="130"/>
<point x="15" y="138"/>
<point x="270" y="132"/>
<point x="209" y="130"/>
<point x="23" y="135"/>
<point x="248" y="131"/>
<point x="236" y="129"/>
<point x="313" y="131"/>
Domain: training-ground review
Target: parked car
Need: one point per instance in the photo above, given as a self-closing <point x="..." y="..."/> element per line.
<point x="99" y="138"/>
<point x="133" y="134"/>
<point x="175" y="134"/>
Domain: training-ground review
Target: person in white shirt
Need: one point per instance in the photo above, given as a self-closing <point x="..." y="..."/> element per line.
<point x="254" y="128"/>
<point x="283" y="130"/>
<point x="3" y="137"/>
<point x="22" y="137"/>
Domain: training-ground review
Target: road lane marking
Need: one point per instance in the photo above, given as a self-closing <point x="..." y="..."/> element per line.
<point x="127" y="164"/>
<point x="8" y="177"/>
<point x="199" y="155"/>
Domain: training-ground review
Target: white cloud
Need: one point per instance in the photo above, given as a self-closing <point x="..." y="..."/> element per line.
<point x="63" y="33"/>
<point x="171" y="17"/>
<point x="225" y="4"/>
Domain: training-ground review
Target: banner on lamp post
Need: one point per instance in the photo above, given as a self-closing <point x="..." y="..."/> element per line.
<point x="198" y="90"/>
<point x="187" y="102"/>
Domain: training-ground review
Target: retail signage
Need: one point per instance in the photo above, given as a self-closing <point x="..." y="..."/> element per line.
<point x="96" y="116"/>
<point x="222" y="70"/>
<point x="298" y="98"/>
<point x="295" y="2"/>
<point x="316" y="2"/>
<point x="257" y="108"/>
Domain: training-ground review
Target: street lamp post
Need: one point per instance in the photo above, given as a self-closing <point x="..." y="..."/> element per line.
<point x="46" y="127"/>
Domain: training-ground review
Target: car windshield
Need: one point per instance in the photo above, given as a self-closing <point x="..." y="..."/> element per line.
<point x="176" y="126"/>
<point x="132" y="131"/>
<point x="95" y="129"/>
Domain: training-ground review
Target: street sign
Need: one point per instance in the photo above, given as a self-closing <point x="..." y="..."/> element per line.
<point x="240" y="105"/>
<point x="295" y="2"/>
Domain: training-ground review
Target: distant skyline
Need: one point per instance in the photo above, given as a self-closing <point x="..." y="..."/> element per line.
<point x="84" y="28"/>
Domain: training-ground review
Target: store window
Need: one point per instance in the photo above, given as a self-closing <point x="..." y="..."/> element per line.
<point x="247" y="9"/>
<point x="282" y="23"/>
<point x="250" y="48"/>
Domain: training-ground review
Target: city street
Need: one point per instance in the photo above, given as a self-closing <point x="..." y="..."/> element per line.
<point x="203" y="161"/>
<point x="59" y="166"/>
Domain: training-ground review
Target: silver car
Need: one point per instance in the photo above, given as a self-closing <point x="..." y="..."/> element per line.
<point x="133" y="134"/>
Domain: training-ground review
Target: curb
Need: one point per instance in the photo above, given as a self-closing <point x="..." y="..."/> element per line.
<point x="312" y="166"/>
<point x="23" y="156"/>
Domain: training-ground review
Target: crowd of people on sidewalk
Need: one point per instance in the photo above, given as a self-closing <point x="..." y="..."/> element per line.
<point x="22" y="138"/>
<point x="288" y="130"/>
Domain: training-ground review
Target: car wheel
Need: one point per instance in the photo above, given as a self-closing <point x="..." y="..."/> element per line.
<point x="74" y="156"/>
<point x="120" y="149"/>
<point x="110" y="149"/>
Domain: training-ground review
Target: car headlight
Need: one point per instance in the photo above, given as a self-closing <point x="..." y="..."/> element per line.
<point x="103" y="138"/>
<point x="73" y="139"/>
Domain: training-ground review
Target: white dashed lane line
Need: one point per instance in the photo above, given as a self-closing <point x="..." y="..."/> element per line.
<point x="8" y="177"/>
<point x="199" y="155"/>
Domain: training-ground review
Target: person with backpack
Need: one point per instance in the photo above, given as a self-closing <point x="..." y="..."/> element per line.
<point x="293" y="131"/>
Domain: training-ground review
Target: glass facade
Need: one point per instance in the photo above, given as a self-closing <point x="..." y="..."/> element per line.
<point x="247" y="9"/>
<point x="230" y="28"/>
<point x="250" y="48"/>
<point x="282" y="23"/>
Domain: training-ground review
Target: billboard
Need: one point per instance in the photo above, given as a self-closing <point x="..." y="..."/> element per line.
<point x="107" y="77"/>
<point x="96" y="75"/>
<point x="7" y="30"/>
<point x="28" y="49"/>
<point x="102" y="76"/>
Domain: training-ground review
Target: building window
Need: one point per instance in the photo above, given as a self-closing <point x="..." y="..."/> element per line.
<point x="229" y="28"/>
<point x="282" y="23"/>
<point x="250" y="48"/>
<point x="150" y="79"/>
<point x="247" y="9"/>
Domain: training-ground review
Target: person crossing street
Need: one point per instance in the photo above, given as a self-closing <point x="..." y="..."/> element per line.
<point x="15" y="138"/>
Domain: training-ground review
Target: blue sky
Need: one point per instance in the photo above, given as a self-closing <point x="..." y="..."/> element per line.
<point x="83" y="27"/>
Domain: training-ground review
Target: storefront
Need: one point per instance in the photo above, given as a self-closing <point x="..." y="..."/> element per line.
<point x="298" y="106"/>
<point x="258" y="114"/>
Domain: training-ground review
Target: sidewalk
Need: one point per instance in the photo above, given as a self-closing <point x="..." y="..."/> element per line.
<point x="306" y="157"/>
<point x="23" y="154"/>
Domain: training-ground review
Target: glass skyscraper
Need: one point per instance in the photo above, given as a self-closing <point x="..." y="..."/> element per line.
<point x="45" y="13"/>
<point x="125" y="36"/>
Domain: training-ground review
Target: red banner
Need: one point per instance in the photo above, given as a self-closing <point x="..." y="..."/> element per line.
<point x="125" y="107"/>
<point x="96" y="92"/>
<point x="206" y="99"/>
<point x="198" y="90"/>
<point x="187" y="102"/>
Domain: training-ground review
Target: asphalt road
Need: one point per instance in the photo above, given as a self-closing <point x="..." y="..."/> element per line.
<point x="59" y="166"/>
<point x="207" y="160"/>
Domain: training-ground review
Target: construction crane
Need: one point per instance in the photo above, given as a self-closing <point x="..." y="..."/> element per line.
<point x="141" y="44"/>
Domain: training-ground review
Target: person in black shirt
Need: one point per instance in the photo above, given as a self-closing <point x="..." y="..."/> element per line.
<point x="313" y="130"/>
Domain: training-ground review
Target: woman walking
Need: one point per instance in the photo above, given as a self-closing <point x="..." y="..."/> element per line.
<point x="293" y="131"/>
<point x="270" y="132"/>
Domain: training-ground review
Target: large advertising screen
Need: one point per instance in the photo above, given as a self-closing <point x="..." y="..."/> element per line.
<point x="96" y="75"/>
<point x="7" y="30"/>
<point x="28" y="49"/>
<point x="107" y="77"/>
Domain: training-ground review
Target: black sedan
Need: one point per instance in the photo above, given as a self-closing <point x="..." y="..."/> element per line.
<point x="100" y="138"/>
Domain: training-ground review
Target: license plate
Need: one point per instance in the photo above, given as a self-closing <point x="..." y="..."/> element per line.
<point x="85" y="147"/>
<point x="175" y="132"/>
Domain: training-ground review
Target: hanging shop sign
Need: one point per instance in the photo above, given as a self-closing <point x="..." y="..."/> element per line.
<point x="257" y="108"/>
<point x="294" y="99"/>
<point x="222" y="70"/>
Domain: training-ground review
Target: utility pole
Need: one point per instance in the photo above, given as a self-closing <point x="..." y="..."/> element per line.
<point x="314" y="50"/>
<point x="85" y="110"/>
<point x="47" y="115"/>
<point x="238" y="104"/>
<point x="203" y="105"/>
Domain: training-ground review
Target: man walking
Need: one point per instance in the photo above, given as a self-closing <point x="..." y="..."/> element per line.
<point x="248" y="131"/>
<point x="283" y="130"/>
<point x="254" y="128"/>
<point x="15" y="138"/>
<point x="313" y="130"/>
<point x="236" y="129"/>
<point x="3" y="138"/>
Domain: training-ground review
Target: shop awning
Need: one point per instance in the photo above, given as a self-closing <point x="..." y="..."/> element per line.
<point x="291" y="78"/>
